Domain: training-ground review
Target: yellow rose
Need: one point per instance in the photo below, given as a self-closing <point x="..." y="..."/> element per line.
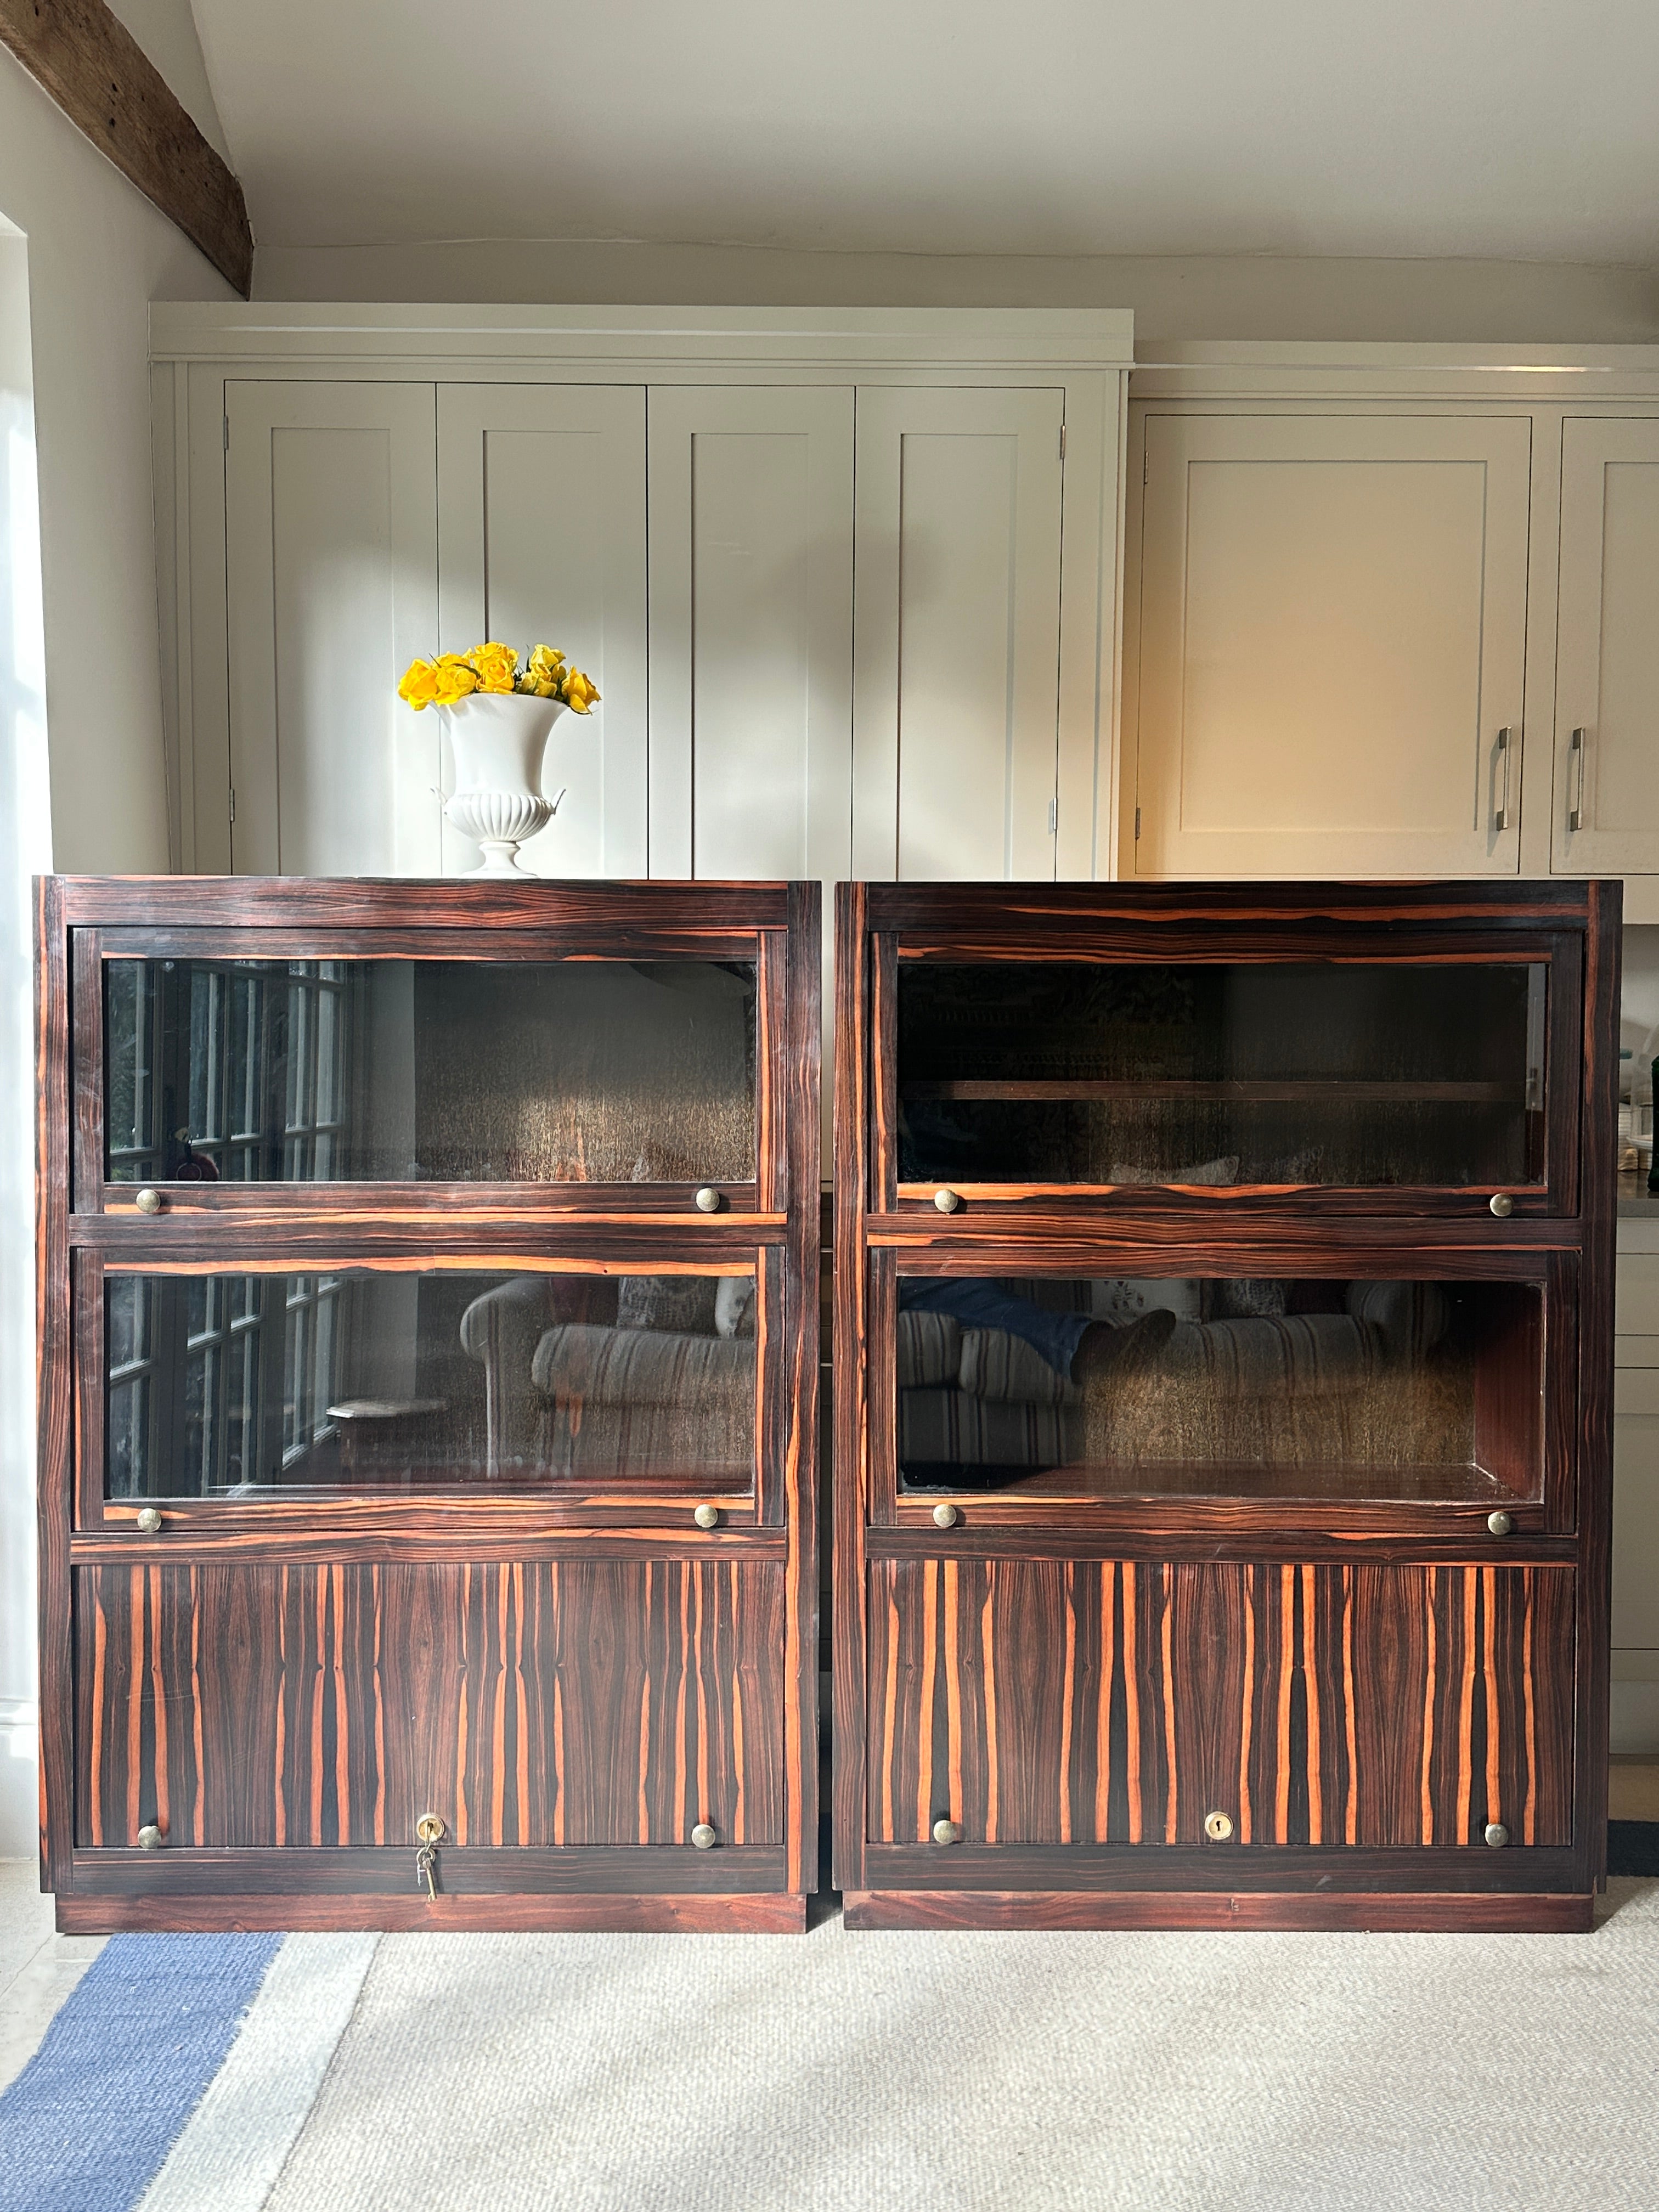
<point x="580" y="692"/>
<point x="546" y="664"/>
<point x="419" y="686"/>
<point x="495" y="665"/>
<point x="453" y="679"/>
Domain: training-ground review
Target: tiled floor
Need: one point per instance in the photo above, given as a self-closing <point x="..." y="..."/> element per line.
<point x="38" y="1967"/>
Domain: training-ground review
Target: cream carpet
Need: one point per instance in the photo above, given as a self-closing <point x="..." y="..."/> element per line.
<point x="996" y="2073"/>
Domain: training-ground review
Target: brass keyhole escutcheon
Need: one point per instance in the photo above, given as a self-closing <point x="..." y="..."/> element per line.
<point x="430" y="1828"/>
<point x="1218" y="1828"/>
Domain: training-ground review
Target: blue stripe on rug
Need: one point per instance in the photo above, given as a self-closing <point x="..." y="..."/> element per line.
<point x="87" y="2124"/>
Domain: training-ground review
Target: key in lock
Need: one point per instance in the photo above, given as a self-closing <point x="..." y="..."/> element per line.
<point x="430" y="1830"/>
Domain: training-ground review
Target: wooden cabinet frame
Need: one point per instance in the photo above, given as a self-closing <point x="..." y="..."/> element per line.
<point x="1344" y="1865"/>
<point x="444" y="1547"/>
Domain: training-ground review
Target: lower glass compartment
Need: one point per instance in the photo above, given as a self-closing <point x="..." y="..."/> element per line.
<point x="239" y="1386"/>
<point x="1413" y="1392"/>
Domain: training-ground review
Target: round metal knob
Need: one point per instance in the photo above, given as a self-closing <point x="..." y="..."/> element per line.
<point x="946" y="1516"/>
<point x="703" y="1837"/>
<point x="149" y="1838"/>
<point x="946" y="1200"/>
<point x="1218" y="1828"/>
<point x="1501" y="1204"/>
<point x="1497" y="1834"/>
<point x="707" y="1200"/>
<point x="149" y="1201"/>
<point x="706" y="1517"/>
<point x="148" y="1521"/>
<point x="947" y="1832"/>
<point x="1500" y="1523"/>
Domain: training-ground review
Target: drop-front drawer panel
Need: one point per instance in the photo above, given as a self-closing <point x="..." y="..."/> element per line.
<point x="602" y="1701"/>
<point x="1052" y="1701"/>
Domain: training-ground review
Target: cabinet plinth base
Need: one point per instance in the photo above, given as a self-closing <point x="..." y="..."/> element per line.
<point x="744" y="1914"/>
<point x="1431" y="1912"/>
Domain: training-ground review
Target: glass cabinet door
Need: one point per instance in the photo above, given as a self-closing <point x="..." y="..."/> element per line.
<point x="571" y="1071"/>
<point x="1351" y="1073"/>
<point x="1410" y="1392"/>
<point x="222" y="1385"/>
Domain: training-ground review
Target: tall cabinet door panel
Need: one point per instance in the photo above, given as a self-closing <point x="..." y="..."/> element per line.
<point x="751" y="631"/>
<point x="541" y="536"/>
<point x="331" y="545"/>
<point x="957" y="708"/>
<point x="1606" y="815"/>
<point x="1332" y="645"/>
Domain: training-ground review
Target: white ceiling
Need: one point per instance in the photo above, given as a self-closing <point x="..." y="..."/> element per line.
<point x="1520" y="129"/>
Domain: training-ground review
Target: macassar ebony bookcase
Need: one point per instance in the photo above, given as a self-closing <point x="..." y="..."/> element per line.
<point x="427" y="1295"/>
<point x="1223" y="1385"/>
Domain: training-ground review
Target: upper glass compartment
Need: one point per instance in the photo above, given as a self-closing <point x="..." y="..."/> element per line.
<point x="448" y="1071"/>
<point x="1339" y="1074"/>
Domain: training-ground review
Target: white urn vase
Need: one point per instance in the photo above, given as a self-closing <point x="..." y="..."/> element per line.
<point x="498" y="738"/>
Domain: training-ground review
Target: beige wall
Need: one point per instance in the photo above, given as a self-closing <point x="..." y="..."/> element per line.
<point x="1216" y="297"/>
<point x="93" y="255"/>
<point x="98" y="254"/>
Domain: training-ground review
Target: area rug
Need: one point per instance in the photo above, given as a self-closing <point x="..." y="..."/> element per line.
<point x="927" y="2072"/>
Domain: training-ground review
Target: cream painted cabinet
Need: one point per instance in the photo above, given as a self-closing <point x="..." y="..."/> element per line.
<point x="956" y="732"/>
<point x="331" y="575"/>
<point x="841" y="620"/>
<point x="1605" y="820"/>
<point x="1332" y="626"/>
<point x="541" y="535"/>
<point x="751" y="630"/>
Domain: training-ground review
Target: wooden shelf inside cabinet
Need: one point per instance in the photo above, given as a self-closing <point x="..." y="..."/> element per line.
<point x="1197" y="1521"/>
<point x="428" y="1346"/>
<point x="1246" y="1090"/>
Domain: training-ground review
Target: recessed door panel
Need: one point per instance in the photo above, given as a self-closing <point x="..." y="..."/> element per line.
<point x="329" y="496"/>
<point x="1332" y="627"/>
<point x="1605" y="819"/>
<point x="957" y="701"/>
<point x="541" y="539"/>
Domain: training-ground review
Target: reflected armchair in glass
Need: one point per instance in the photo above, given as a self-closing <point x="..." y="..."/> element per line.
<point x="635" y="1377"/>
<point x="1260" y="1387"/>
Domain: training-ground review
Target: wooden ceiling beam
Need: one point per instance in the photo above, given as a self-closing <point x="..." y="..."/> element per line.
<point x="110" y="89"/>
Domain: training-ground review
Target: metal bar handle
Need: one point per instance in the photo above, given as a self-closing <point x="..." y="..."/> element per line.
<point x="1500" y="820"/>
<point x="1576" y="750"/>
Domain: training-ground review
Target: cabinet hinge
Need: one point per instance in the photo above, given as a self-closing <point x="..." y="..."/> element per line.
<point x="1054" y="816"/>
<point x="1062" y="441"/>
<point x="233" y="802"/>
<point x="1137" y="822"/>
<point x="227" y="433"/>
<point x="1146" y="462"/>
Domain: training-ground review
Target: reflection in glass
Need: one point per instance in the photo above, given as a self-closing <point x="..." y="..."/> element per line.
<point x="239" y="1385"/>
<point x="1146" y="1387"/>
<point x="317" y="1071"/>
<point x="1355" y="1073"/>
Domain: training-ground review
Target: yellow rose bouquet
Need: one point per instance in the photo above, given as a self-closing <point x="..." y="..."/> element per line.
<point x="451" y="676"/>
